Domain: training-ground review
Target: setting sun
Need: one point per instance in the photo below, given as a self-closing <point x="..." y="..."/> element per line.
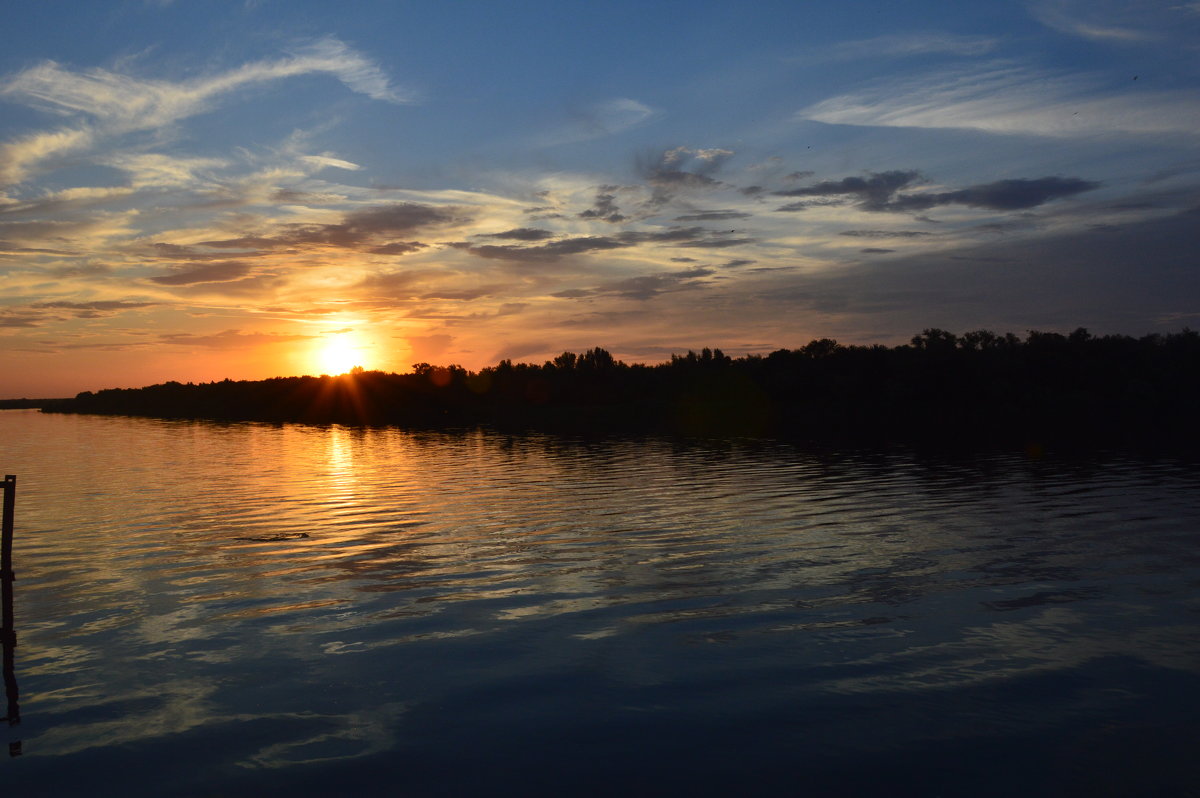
<point x="339" y="353"/>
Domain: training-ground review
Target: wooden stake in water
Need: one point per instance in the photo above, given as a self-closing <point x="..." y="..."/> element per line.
<point x="8" y="633"/>
<point x="6" y="531"/>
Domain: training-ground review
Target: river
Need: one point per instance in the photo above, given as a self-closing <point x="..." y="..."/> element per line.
<point x="245" y="609"/>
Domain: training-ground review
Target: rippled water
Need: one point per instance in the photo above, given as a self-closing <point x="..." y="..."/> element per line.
<point x="245" y="609"/>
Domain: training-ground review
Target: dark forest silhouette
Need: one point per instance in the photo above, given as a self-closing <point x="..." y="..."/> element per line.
<point x="941" y="385"/>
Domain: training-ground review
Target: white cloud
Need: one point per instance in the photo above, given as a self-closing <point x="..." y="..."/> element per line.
<point x="157" y="170"/>
<point x="114" y="103"/>
<point x="601" y="119"/>
<point x="900" y="45"/>
<point x="129" y="103"/>
<point x="1010" y="99"/>
<point x="1119" y="21"/>
<point x="19" y="155"/>
<point x="324" y="160"/>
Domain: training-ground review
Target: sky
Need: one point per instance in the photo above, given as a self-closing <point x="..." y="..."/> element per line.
<point x="196" y="190"/>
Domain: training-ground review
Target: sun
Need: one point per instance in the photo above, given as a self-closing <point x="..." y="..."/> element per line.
<point x="339" y="353"/>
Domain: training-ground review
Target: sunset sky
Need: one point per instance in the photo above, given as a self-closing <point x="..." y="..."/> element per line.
<point x="198" y="190"/>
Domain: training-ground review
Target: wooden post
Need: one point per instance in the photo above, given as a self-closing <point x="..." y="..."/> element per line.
<point x="8" y="629"/>
<point x="6" y="530"/>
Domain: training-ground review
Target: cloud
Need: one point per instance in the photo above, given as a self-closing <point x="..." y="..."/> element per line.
<point x="15" y="318"/>
<point x="521" y="234"/>
<point x="1006" y="99"/>
<point x="578" y="245"/>
<point x="99" y="306"/>
<point x="126" y="103"/>
<point x="642" y="287"/>
<point x="402" y="284"/>
<point x="885" y="233"/>
<point x="712" y="216"/>
<point x="551" y="251"/>
<point x="107" y="103"/>
<point x="879" y="192"/>
<point x="605" y="207"/>
<point x="1096" y="19"/>
<point x="324" y="161"/>
<point x="873" y="192"/>
<point x="899" y="45"/>
<point x="65" y="199"/>
<point x="398" y="248"/>
<point x="19" y="155"/>
<point x="667" y="169"/>
<point x="221" y="272"/>
<point x="361" y="229"/>
<point x="1002" y="195"/>
<point x="803" y="205"/>
<point x="229" y="339"/>
<point x="601" y="119"/>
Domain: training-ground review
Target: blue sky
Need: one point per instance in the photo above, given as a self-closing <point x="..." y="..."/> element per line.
<point x="195" y="190"/>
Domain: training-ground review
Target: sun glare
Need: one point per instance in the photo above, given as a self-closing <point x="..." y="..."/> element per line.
<point x="339" y="354"/>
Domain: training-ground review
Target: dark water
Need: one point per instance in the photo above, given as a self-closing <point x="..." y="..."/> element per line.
<point x="249" y="609"/>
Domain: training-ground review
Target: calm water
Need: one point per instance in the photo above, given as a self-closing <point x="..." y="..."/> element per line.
<point x="248" y="609"/>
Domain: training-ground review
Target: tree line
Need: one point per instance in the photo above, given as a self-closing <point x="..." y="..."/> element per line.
<point x="939" y="386"/>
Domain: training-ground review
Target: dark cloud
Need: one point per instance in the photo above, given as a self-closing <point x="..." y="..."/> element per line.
<point x="190" y="253"/>
<point x="17" y="318"/>
<point x="82" y="270"/>
<point x="550" y="251"/>
<point x="1139" y="279"/>
<point x="875" y="251"/>
<point x="212" y="273"/>
<point x="885" y="233"/>
<point x="466" y="294"/>
<point x="361" y="229"/>
<point x="872" y="192"/>
<point x="229" y="339"/>
<point x="712" y="216"/>
<point x="291" y="195"/>
<point x="680" y="169"/>
<point x="398" y="248"/>
<point x="676" y="236"/>
<point x="651" y="285"/>
<point x="737" y="263"/>
<point x="605" y="207"/>
<point x="100" y="307"/>
<point x="670" y="235"/>
<point x="8" y="246"/>
<point x="521" y="234"/>
<point x="718" y="243"/>
<point x="804" y="205"/>
<point x="1002" y="195"/>
<point x="642" y="287"/>
<point x="397" y="284"/>
<point x="879" y="191"/>
<point x="752" y="191"/>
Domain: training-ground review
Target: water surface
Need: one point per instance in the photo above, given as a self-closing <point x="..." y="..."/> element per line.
<point x="208" y="609"/>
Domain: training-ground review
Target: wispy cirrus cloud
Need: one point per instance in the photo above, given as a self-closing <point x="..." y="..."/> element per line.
<point x="902" y="45"/>
<point x="107" y="103"/>
<point x="1120" y="22"/>
<point x="129" y="103"/>
<point x="604" y="118"/>
<point x="1011" y="99"/>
